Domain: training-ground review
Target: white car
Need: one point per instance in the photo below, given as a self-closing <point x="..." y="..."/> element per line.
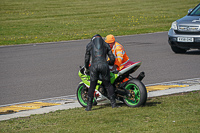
<point x="185" y="32"/>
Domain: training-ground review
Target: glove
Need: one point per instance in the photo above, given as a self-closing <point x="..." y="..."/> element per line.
<point x="86" y="71"/>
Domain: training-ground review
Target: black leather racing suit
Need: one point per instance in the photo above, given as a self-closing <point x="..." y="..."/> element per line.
<point x="98" y="49"/>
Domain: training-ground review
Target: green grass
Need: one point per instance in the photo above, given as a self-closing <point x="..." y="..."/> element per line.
<point x="34" y="21"/>
<point x="167" y="114"/>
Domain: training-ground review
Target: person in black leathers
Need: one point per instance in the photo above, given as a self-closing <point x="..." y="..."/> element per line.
<point x="98" y="49"/>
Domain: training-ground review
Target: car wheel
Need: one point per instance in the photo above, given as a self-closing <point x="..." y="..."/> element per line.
<point x="178" y="50"/>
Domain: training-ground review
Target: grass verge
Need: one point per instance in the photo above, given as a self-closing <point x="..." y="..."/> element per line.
<point x="176" y="113"/>
<point x="34" y="21"/>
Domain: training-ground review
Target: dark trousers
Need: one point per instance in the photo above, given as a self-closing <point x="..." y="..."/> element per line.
<point x="106" y="84"/>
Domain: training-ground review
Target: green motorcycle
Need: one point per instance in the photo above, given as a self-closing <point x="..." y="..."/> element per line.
<point x="132" y="92"/>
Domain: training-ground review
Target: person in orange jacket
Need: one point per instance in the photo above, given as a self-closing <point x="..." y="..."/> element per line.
<point x="121" y="58"/>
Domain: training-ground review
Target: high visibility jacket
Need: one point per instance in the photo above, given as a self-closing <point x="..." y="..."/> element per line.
<point x="121" y="58"/>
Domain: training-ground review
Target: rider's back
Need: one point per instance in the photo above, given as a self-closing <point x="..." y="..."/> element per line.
<point x="99" y="51"/>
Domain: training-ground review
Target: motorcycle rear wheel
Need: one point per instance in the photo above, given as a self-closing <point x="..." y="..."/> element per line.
<point x="138" y="94"/>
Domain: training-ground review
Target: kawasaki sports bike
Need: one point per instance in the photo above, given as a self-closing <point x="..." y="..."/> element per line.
<point x="132" y="92"/>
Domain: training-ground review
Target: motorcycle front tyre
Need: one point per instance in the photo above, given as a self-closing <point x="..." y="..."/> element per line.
<point x="82" y="95"/>
<point x="138" y="94"/>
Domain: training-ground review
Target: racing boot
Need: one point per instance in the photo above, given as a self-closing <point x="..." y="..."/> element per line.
<point x="89" y="104"/>
<point x="113" y="101"/>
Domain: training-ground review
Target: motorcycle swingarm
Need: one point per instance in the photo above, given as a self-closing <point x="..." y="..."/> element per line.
<point x="122" y="92"/>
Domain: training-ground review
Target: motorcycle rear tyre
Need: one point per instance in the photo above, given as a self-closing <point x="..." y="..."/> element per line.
<point x="140" y="94"/>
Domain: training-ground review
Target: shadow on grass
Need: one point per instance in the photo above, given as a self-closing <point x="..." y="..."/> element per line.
<point x="103" y="106"/>
<point x="150" y="104"/>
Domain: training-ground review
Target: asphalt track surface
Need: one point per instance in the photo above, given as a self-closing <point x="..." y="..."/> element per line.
<point x="45" y="70"/>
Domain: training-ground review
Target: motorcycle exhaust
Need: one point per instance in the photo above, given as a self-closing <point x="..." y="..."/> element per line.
<point x="141" y="76"/>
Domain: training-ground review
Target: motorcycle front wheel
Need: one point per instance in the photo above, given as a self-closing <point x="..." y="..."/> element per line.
<point x="82" y="95"/>
<point x="138" y="94"/>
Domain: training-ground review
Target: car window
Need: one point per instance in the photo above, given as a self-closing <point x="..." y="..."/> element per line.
<point x="196" y="11"/>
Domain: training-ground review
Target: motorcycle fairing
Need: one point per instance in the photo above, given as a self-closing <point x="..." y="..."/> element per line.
<point x="130" y="67"/>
